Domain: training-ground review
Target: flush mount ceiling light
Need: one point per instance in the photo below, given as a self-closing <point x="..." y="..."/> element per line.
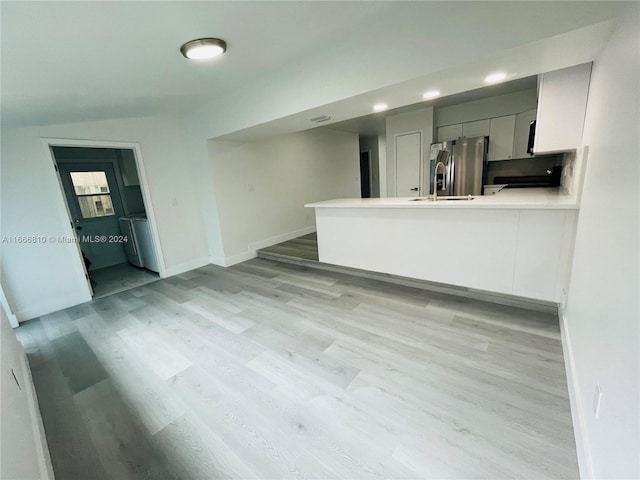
<point x="431" y="94"/>
<point x="495" y="77"/>
<point x="378" y="107"/>
<point x="203" y="48"/>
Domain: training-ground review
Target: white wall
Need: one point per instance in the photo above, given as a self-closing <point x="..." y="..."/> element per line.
<point x="23" y="447"/>
<point x="422" y="120"/>
<point x="261" y="187"/>
<point x="602" y="314"/>
<point x="43" y="278"/>
<point x="491" y="107"/>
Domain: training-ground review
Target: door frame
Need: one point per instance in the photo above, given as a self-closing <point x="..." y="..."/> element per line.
<point x="48" y="143"/>
<point x="4" y="301"/>
<point x="395" y="157"/>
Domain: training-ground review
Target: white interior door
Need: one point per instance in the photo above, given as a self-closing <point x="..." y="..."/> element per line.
<point x="408" y="155"/>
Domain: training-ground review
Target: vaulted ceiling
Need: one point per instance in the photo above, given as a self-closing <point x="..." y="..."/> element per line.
<point x="79" y="61"/>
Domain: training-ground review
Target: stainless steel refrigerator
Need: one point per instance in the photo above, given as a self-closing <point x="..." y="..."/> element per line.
<point x="464" y="171"/>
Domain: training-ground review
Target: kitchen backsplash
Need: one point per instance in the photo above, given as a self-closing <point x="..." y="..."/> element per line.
<point x="573" y="164"/>
<point x="521" y="167"/>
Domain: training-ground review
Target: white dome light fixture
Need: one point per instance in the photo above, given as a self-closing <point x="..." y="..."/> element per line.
<point x="203" y="48"/>
<point x="379" y="107"/>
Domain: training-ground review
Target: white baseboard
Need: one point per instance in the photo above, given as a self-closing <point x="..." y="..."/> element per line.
<point x="60" y="303"/>
<point x="257" y="245"/>
<point x="239" y="258"/>
<point x="186" y="266"/>
<point x="220" y="261"/>
<point x="585" y="462"/>
<point x="267" y="242"/>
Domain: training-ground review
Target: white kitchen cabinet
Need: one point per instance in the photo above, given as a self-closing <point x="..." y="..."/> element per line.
<point x="449" y="132"/>
<point x="562" y="103"/>
<point x="479" y="128"/>
<point x="542" y="261"/>
<point x="501" y="137"/>
<point x="523" y="252"/>
<point x="521" y="135"/>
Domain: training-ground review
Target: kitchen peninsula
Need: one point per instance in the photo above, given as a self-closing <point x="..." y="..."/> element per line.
<point x="514" y="243"/>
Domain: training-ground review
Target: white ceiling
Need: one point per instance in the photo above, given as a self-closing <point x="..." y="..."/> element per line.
<point x="67" y="61"/>
<point x="457" y="84"/>
<point x="79" y="61"/>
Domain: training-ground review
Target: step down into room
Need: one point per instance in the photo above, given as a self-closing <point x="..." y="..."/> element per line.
<point x="304" y="251"/>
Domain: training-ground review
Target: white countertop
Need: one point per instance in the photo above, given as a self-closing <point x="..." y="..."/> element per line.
<point x="509" y="198"/>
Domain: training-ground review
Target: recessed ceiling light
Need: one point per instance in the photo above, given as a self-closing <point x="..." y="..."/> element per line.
<point x="431" y="94"/>
<point x="495" y="77"/>
<point x="203" y="48"/>
<point x="378" y="107"/>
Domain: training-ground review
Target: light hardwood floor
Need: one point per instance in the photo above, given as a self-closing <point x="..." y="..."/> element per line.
<point x="305" y="247"/>
<point x="268" y="370"/>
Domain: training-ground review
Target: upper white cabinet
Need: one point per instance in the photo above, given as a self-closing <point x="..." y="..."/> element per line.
<point x="562" y="102"/>
<point x="501" y="132"/>
<point x="508" y="135"/>
<point x="521" y="135"/>
<point x="449" y="132"/>
<point x="479" y="128"/>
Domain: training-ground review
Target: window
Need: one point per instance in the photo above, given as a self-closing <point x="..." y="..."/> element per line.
<point x="92" y="192"/>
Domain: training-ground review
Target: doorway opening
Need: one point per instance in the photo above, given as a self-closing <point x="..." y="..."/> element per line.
<point x="365" y="175"/>
<point x="102" y="190"/>
<point x="369" y="166"/>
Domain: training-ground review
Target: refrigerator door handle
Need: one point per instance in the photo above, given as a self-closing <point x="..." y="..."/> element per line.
<point x="532" y="137"/>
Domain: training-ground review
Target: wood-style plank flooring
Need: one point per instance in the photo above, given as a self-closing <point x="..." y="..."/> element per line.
<point x="305" y="247"/>
<point x="268" y="370"/>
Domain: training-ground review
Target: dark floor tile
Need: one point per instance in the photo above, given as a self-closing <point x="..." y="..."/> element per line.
<point x="73" y="455"/>
<point x="121" y="442"/>
<point x="77" y="362"/>
<point x="35" y="342"/>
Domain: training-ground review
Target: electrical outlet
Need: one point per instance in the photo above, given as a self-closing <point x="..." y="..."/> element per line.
<point x="597" y="398"/>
